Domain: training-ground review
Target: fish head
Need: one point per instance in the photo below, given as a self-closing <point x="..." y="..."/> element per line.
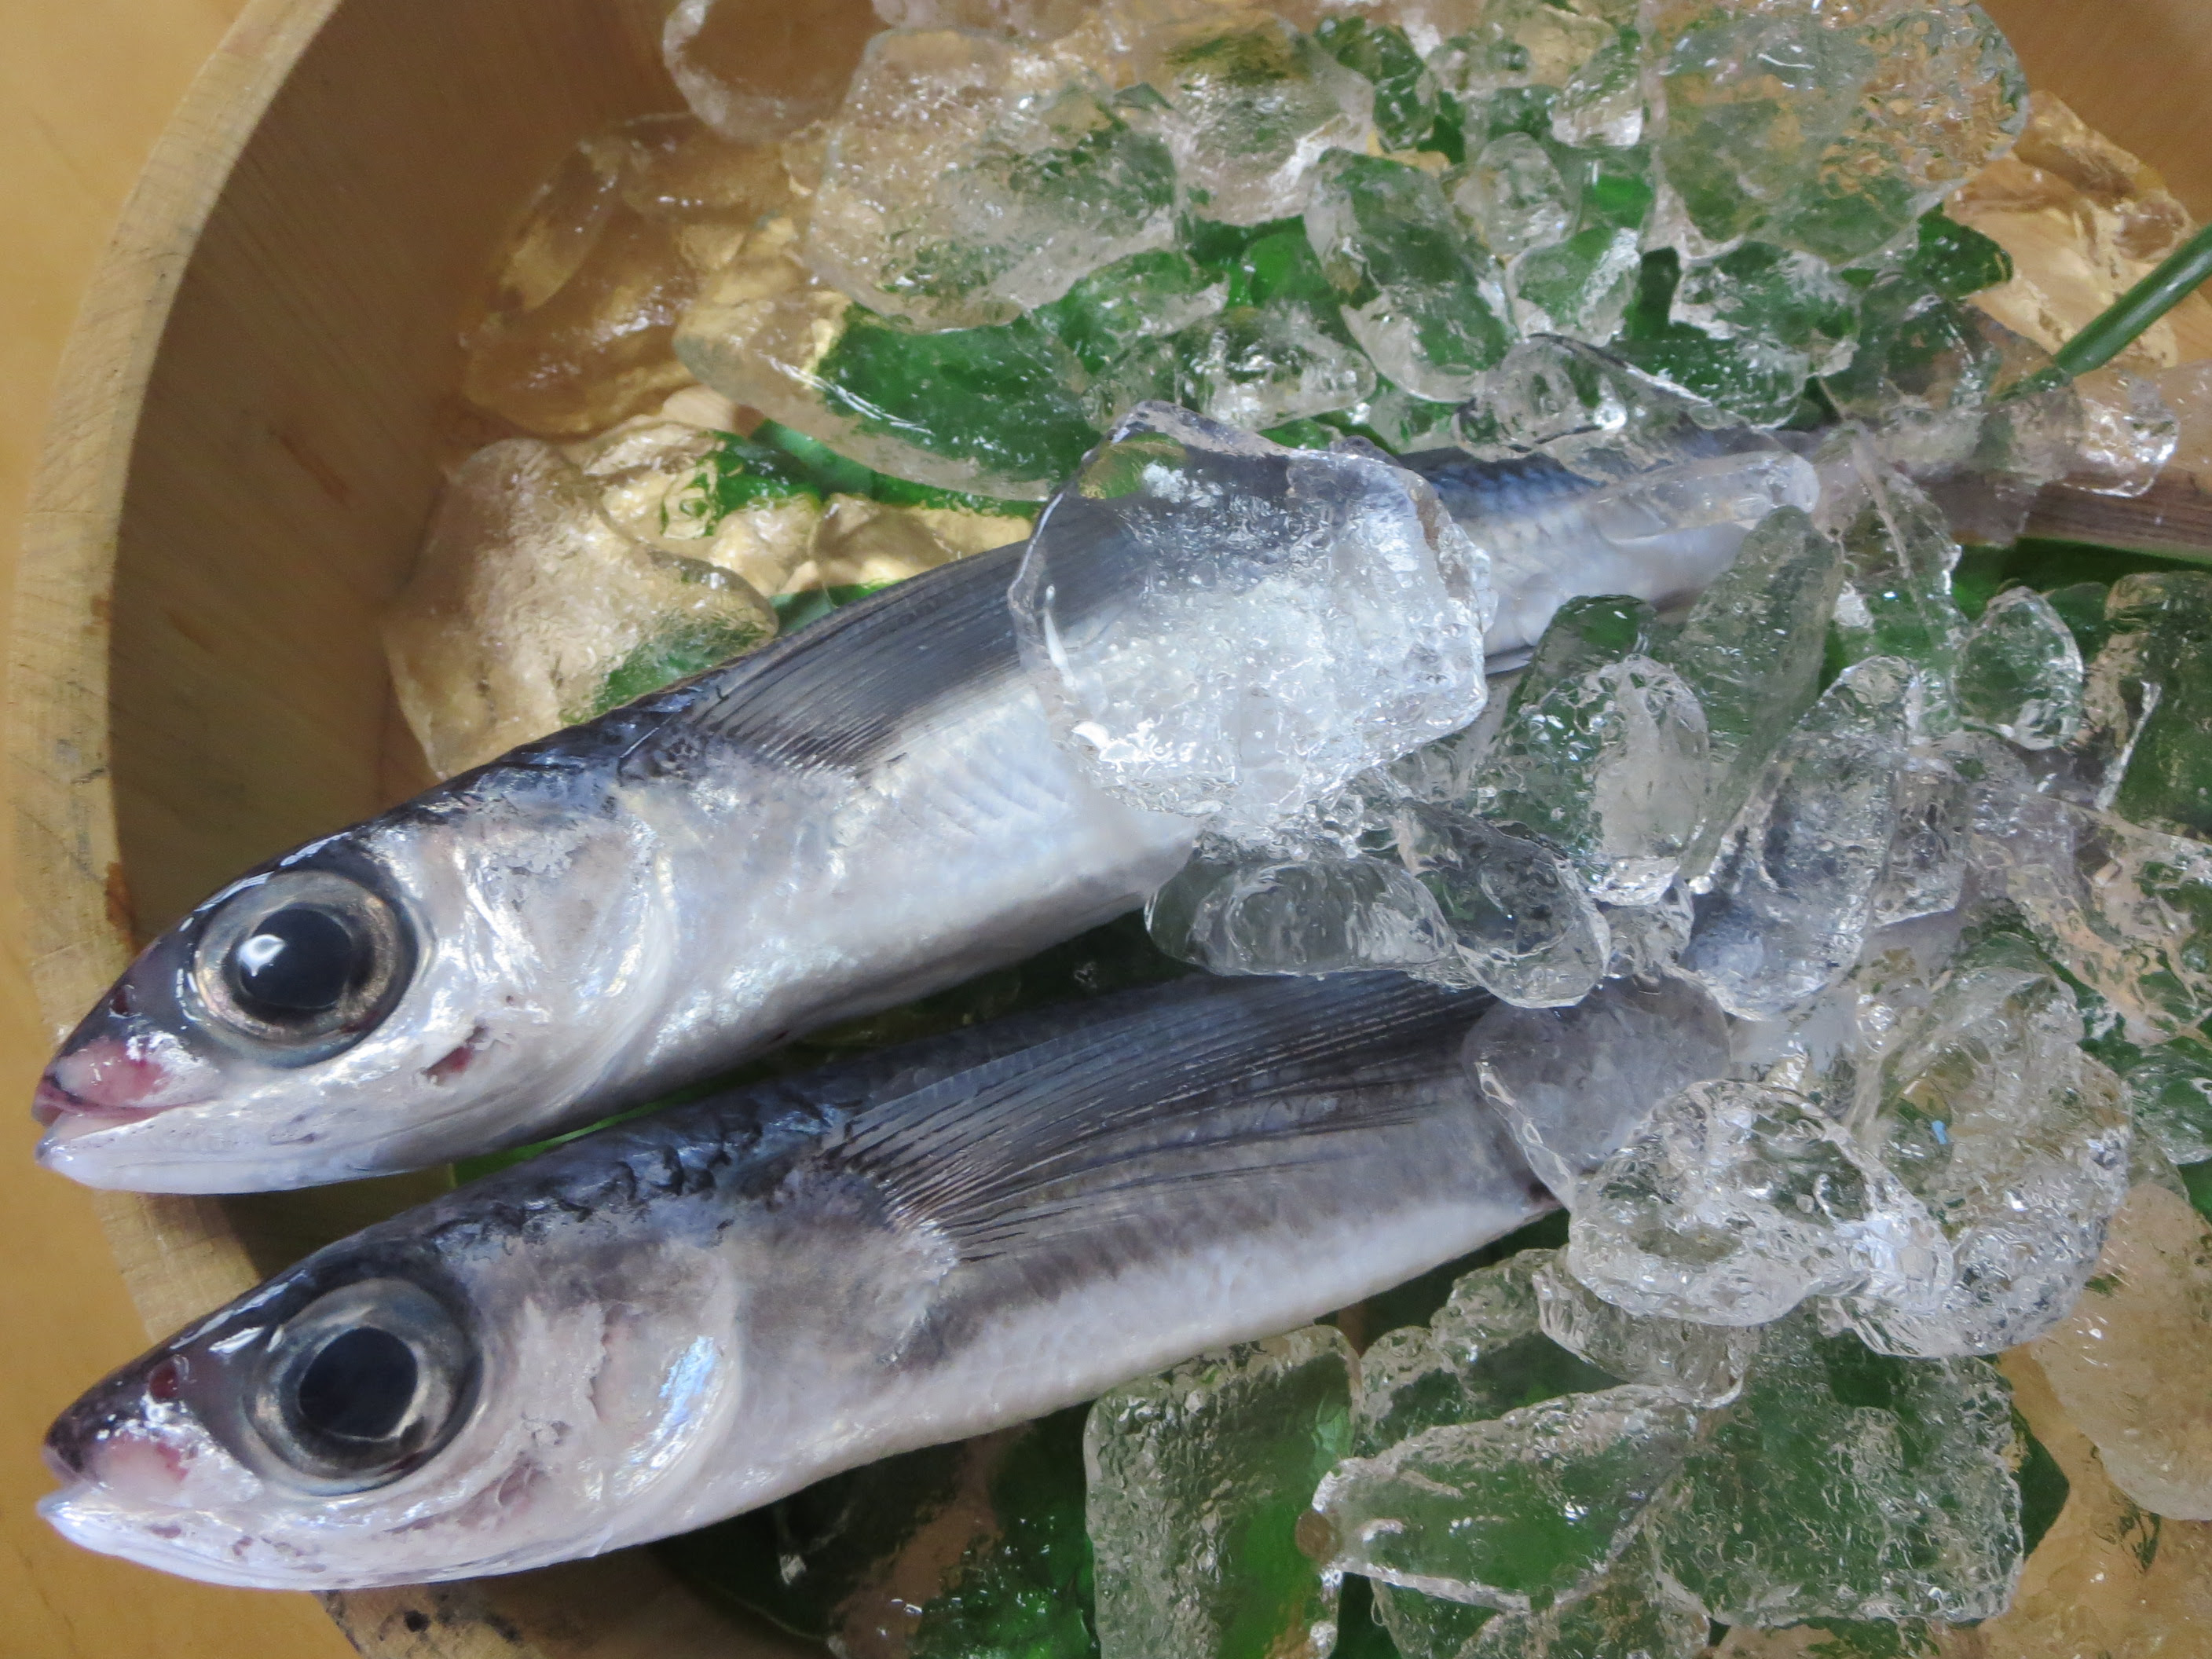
<point x="387" y="998"/>
<point x="395" y="1415"/>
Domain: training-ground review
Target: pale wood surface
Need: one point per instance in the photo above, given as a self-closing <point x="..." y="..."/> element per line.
<point x="83" y="90"/>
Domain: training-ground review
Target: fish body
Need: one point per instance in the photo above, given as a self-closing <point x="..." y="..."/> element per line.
<point x="863" y="813"/>
<point x="859" y="816"/>
<point x="1554" y="534"/>
<point x="662" y="1324"/>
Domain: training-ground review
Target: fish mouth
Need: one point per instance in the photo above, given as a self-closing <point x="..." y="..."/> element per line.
<point x="67" y="1115"/>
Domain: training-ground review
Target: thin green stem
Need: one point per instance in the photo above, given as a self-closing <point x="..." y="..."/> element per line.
<point x="2120" y="323"/>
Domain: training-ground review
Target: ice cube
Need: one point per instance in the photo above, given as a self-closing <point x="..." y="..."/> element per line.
<point x="1779" y="118"/>
<point x="2108" y="1577"/>
<point x="1482" y="1354"/>
<point x="1022" y="20"/>
<point x="2065" y="185"/>
<point x="1580" y="288"/>
<point x="2125" y="908"/>
<point x="1405" y="91"/>
<point x="1633" y="1613"/>
<point x="1574" y="1083"/>
<point x="1514" y="44"/>
<point x="1427" y="291"/>
<point x="994" y="411"/>
<point x="2157" y="666"/>
<point x="965" y="181"/>
<point x="2129" y="432"/>
<point x="2020" y="672"/>
<point x="1244" y="913"/>
<point x="1750" y="649"/>
<point x="2013" y="1139"/>
<point x="1699" y="1365"/>
<point x="1261" y="366"/>
<point x="1791" y="904"/>
<point x="1602" y="753"/>
<point x="578" y="332"/>
<point x="528" y="611"/>
<point x="1114" y="310"/>
<point x="745" y="506"/>
<point x="1924" y="873"/>
<point x="1898" y="554"/>
<point x="1847" y="1484"/>
<point x="1250" y="105"/>
<point x="1734" y="1201"/>
<point x="1775" y="295"/>
<point x="1520" y="1512"/>
<point x="754" y="75"/>
<point x="1523" y="926"/>
<point x="865" y="543"/>
<point x="2128" y="1362"/>
<point x="1513" y="194"/>
<point x="1224" y="628"/>
<point x="1198" y="1481"/>
<point x="1602" y="103"/>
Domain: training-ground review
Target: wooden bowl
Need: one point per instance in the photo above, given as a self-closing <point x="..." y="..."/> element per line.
<point x="241" y="459"/>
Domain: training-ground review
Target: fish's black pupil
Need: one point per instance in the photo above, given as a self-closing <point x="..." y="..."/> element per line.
<point x="359" y="1387"/>
<point x="299" y="960"/>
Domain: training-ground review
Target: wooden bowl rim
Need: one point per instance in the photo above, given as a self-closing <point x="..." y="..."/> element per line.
<point x="69" y="875"/>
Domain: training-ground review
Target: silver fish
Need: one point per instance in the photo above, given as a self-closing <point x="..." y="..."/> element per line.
<point x="864" y="813"/>
<point x="661" y="1325"/>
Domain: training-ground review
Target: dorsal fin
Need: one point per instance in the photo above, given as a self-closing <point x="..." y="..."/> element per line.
<point x="1061" y="1135"/>
<point x="852" y="687"/>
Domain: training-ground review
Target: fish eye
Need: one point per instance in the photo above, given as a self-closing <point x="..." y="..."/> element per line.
<point x="363" y="1384"/>
<point x="307" y="961"/>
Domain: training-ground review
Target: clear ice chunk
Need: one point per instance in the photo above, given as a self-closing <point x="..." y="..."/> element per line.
<point x="1700" y="1364"/>
<point x="1734" y="1201"/>
<point x="2153" y="683"/>
<point x="2128" y="1362"/>
<point x="1198" y="1478"/>
<point x="994" y="411"/>
<point x="1846" y="1484"/>
<point x="1384" y="228"/>
<point x="1602" y="752"/>
<point x="1790" y="905"/>
<point x="965" y="181"/>
<point x="1898" y="554"/>
<point x="1574" y="1083"/>
<point x="1512" y="193"/>
<point x="1523" y="926"/>
<point x="1829" y="132"/>
<point x="1750" y="650"/>
<point x="2125" y="908"/>
<point x="577" y="332"/>
<point x="1224" y="628"/>
<point x="1602" y="105"/>
<point x="1405" y="91"/>
<point x="1262" y="366"/>
<point x="1251" y="106"/>
<point x="708" y="494"/>
<point x="2014" y="1140"/>
<point x="1580" y="288"/>
<point x="1244" y="913"/>
<point x="528" y="611"/>
<point x="1633" y="1613"/>
<point x="1774" y="294"/>
<point x="1021" y="20"/>
<point x="1520" y="1512"/>
<point x="755" y="75"/>
<point x="2020" y="672"/>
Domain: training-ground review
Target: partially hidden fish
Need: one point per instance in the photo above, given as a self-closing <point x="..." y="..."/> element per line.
<point x="662" y="1324"/>
<point x="858" y="815"/>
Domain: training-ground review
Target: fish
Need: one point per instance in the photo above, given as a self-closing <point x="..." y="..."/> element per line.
<point x="864" y="812"/>
<point x="667" y="1323"/>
